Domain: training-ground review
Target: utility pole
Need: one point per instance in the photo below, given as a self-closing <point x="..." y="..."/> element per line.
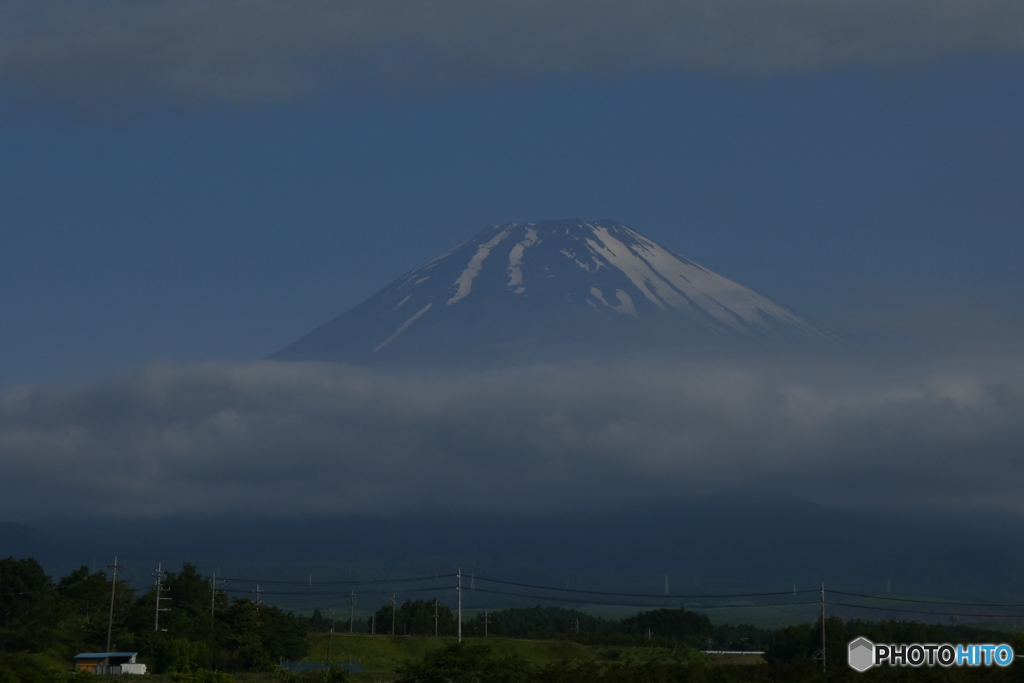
<point x="394" y="600"/>
<point x="113" y="590"/>
<point x="258" y="593"/>
<point x="351" y="611"/>
<point x="487" y="621"/>
<point x="435" y="617"/>
<point x="666" y="584"/>
<point x="160" y="575"/>
<point x="373" y="624"/>
<point x="459" y="590"/>
<point x="823" y="627"/>
<point x="213" y="596"/>
<point x="330" y="635"/>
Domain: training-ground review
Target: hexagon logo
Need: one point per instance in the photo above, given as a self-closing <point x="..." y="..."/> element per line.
<point x="862" y="654"/>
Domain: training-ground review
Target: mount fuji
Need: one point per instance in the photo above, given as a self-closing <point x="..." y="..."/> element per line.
<point x="525" y="291"/>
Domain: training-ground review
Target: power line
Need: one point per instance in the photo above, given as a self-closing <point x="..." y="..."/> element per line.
<point x="307" y="596"/>
<point x="642" y="595"/>
<point x="633" y="604"/>
<point x="930" y="602"/>
<point x="310" y="598"/>
<point x="131" y="577"/>
<point x="937" y="614"/>
<point x="242" y="591"/>
<point x="337" y="583"/>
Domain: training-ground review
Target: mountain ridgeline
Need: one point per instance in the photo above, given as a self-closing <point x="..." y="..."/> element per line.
<point x="533" y="291"/>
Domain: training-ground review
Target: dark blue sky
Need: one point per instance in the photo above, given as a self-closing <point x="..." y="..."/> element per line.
<point x="210" y="181"/>
<point x="226" y="229"/>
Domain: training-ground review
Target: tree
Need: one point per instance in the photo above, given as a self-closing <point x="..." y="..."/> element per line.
<point x="678" y="624"/>
<point x="791" y="643"/>
<point x="416" y="618"/>
<point x="26" y="599"/>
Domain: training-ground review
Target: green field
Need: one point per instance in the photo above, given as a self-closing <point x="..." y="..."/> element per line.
<point x="380" y="655"/>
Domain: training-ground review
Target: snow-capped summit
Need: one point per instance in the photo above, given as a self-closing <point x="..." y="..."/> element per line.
<point x="517" y="290"/>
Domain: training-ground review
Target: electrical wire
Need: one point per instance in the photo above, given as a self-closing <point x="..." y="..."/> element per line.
<point x="308" y="595"/>
<point x="911" y="611"/>
<point x="627" y="604"/>
<point x="641" y="595"/>
<point x="337" y="583"/>
<point x="929" y="602"/>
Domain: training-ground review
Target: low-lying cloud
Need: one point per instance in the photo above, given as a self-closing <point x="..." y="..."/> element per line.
<point x="193" y="52"/>
<point x="283" y="438"/>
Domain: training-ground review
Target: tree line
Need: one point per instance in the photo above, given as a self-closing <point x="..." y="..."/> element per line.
<point x="654" y="627"/>
<point x="205" y="630"/>
<point x="71" y="615"/>
<point x="672" y="628"/>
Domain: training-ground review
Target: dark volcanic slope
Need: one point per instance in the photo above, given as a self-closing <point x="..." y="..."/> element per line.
<point x="521" y="291"/>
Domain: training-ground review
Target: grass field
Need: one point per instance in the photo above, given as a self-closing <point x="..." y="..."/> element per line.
<point x="380" y="655"/>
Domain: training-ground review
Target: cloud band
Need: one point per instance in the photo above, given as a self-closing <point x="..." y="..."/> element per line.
<point x="258" y="51"/>
<point x="281" y="438"/>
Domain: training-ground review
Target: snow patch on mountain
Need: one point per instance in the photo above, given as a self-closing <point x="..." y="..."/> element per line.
<point x="515" y="261"/>
<point x="625" y="305"/>
<point x="592" y="267"/>
<point x="635" y="268"/>
<point x="464" y="285"/>
<point x="726" y="301"/>
<point x="403" y="327"/>
<point x="399" y="304"/>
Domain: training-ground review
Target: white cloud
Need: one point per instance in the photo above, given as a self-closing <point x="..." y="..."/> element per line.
<point x="193" y="52"/>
